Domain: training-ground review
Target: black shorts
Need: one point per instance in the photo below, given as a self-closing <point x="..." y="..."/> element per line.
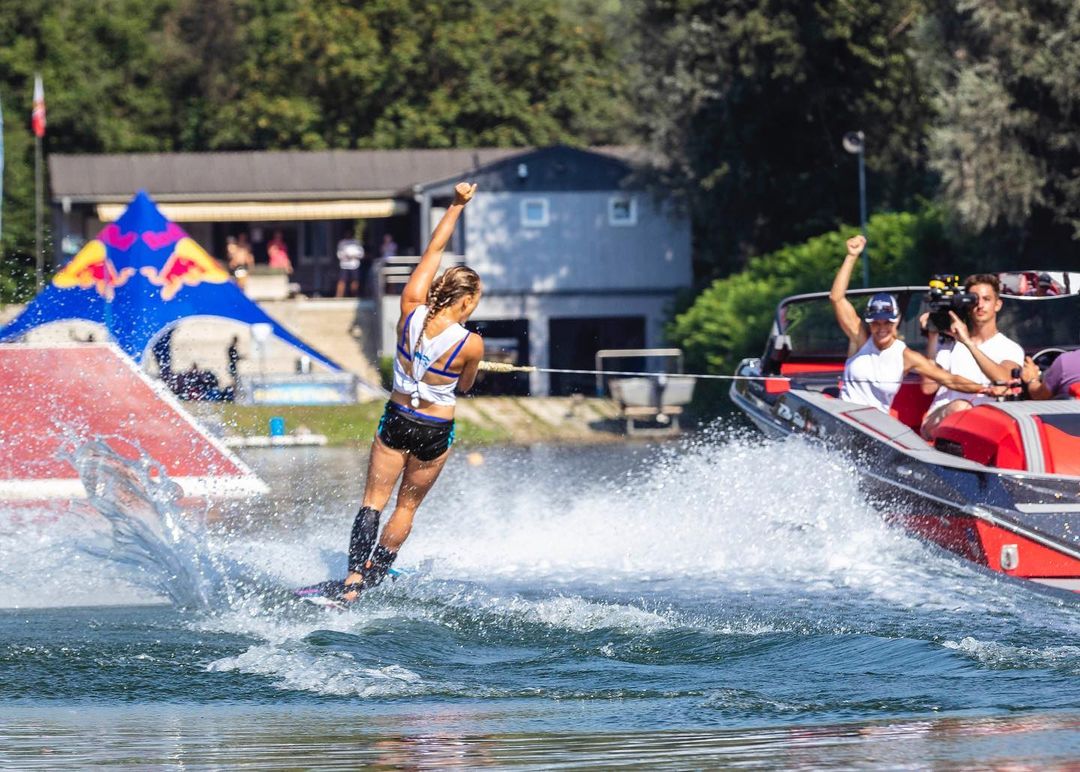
<point x="422" y="436"/>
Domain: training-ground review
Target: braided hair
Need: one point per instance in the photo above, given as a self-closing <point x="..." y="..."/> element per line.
<point x="448" y="288"/>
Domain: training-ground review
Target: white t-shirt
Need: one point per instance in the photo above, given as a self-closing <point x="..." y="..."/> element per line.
<point x="872" y="376"/>
<point x="349" y="254"/>
<point x="958" y="360"/>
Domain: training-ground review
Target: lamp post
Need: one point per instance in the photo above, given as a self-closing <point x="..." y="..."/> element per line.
<point x="854" y="143"/>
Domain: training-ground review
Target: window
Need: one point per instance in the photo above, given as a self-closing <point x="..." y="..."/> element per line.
<point x="534" y="212"/>
<point x="622" y="210"/>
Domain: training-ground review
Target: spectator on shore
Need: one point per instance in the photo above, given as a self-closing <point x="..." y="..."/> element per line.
<point x="389" y="247"/>
<point x="241" y="260"/>
<point x="350" y="255"/>
<point x="232" y="354"/>
<point x="278" y="253"/>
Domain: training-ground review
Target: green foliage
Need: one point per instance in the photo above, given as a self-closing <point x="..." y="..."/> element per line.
<point x="730" y="319"/>
<point x="747" y="102"/>
<point x="341" y="424"/>
<point x="1003" y="76"/>
<point x="197" y="75"/>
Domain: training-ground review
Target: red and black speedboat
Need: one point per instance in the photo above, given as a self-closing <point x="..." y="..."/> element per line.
<point x="999" y="486"/>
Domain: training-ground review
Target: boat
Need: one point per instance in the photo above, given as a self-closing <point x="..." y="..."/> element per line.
<point x="1000" y="484"/>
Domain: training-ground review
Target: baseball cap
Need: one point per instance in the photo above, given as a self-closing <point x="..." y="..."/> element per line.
<point x="882" y="306"/>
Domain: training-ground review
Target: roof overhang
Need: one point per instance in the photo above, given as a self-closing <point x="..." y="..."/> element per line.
<point x="268" y="211"/>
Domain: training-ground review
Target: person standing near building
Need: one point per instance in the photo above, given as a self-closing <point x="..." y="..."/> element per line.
<point x="349" y="254"/>
<point x="373" y="268"/>
<point x="232" y="354"/>
<point x="241" y="260"/>
<point x="278" y="253"/>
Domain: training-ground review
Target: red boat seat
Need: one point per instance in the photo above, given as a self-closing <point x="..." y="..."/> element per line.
<point x="1074" y="391"/>
<point x="986" y="435"/>
<point x="1060" y="444"/>
<point x="910" y="404"/>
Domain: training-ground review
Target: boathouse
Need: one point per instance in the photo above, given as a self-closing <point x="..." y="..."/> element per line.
<point x="575" y="253"/>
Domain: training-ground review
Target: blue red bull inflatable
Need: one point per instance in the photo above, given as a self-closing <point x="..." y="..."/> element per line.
<point x="140" y="276"/>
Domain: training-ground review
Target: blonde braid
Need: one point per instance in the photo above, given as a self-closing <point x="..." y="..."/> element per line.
<point x="436" y="301"/>
<point x="449" y="287"/>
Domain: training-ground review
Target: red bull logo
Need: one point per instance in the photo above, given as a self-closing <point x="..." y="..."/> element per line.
<point x="91" y="267"/>
<point x="187" y="266"/>
<point x="158" y="239"/>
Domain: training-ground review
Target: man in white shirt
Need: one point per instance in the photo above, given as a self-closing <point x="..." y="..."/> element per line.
<point x="981" y="353"/>
<point x="349" y="255"/>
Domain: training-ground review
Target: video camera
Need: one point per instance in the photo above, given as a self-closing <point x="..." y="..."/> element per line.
<point x="947" y="294"/>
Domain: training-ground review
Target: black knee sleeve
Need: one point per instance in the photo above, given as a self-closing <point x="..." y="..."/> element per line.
<point x="365" y="530"/>
<point x="378" y="566"/>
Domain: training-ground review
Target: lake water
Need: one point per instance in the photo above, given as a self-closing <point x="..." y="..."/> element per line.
<point x="724" y="601"/>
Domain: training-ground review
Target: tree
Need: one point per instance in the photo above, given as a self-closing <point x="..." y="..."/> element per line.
<point x="746" y="103"/>
<point x="730" y="319"/>
<point x="196" y="75"/>
<point x="1007" y="138"/>
<point x="394" y="74"/>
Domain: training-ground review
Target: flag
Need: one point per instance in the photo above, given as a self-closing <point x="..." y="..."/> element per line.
<point x="37" y="117"/>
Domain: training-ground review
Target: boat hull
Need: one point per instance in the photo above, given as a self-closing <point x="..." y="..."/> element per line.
<point x="1020" y="524"/>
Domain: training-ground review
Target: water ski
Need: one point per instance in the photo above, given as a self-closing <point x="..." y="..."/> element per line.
<point x="329" y="594"/>
<point x="325" y="594"/>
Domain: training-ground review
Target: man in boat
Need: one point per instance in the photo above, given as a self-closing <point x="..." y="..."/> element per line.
<point x="1058" y="380"/>
<point x="880" y="360"/>
<point x="978" y="352"/>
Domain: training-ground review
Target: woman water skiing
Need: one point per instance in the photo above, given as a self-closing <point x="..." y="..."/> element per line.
<point x="435" y="355"/>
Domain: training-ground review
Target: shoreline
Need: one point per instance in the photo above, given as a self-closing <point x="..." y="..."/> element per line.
<point x="480" y="421"/>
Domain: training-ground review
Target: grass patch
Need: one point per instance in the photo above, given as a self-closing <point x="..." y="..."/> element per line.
<point x="341" y="424"/>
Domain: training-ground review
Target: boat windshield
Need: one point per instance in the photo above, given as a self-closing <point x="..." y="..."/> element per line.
<point x="1041" y="322"/>
<point x="812" y="333"/>
<point x="1034" y="322"/>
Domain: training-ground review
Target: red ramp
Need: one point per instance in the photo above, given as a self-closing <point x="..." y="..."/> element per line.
<point x="57" y="394"/>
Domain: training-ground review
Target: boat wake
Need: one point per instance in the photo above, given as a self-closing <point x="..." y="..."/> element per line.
<point x="697" y="552"/>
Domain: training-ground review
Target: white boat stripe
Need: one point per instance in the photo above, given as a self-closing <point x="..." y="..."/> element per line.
<point x="233" y="487"/>
<point x="1047" y="508"/>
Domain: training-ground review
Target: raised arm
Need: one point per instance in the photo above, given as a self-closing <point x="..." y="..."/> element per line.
<point x="846" y="316"/>
<point x="416" y="290"/>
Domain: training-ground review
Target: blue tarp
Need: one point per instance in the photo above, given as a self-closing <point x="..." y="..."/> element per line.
<point x="138" y="278"/>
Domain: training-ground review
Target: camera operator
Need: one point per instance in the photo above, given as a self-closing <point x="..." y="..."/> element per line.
<point x="979" y="353"/>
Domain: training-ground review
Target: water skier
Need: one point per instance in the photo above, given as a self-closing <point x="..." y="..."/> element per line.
<point x="435" y="355"/>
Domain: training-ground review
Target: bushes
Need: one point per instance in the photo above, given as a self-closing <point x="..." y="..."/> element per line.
<point x="731" y="318"/>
